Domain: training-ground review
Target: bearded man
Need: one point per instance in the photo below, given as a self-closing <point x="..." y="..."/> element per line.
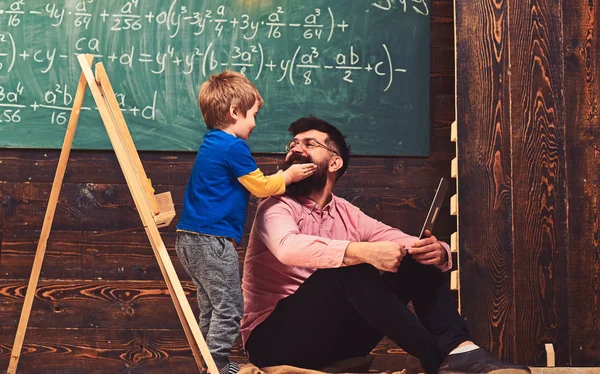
<point x="324" y="282"/>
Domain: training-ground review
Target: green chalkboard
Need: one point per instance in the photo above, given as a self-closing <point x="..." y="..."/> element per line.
<point x="362" y="65"/>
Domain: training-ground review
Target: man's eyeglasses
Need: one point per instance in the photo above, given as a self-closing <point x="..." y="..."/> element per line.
<point x="308" y="144"/>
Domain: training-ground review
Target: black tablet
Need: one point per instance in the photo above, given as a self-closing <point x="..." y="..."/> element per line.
<point x="435" y="207"/>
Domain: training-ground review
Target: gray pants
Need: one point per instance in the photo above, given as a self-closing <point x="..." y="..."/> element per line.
<point x="212" y="263"/>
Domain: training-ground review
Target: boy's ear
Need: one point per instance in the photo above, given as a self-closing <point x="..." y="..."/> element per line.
<point x="233" y="112"/>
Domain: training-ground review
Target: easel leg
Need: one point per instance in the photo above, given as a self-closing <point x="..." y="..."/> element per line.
<point x="182" y="305"/>
<point x="125" y="136"/>
<point x="47" y="226"/>
<point x="136" y="187"/>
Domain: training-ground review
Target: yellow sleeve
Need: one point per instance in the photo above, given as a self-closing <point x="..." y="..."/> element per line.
<point x="261" y="185"/>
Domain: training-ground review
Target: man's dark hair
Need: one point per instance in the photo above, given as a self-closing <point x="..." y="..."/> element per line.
<point x="335" y="139"/>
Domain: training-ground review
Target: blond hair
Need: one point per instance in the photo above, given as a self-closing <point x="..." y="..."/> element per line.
<point x="222" y="91"/>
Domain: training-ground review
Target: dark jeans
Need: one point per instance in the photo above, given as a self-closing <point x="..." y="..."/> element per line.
<point x="344" y="312"/>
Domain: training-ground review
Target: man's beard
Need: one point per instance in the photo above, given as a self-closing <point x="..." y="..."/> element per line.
<point x="305" y="187"/>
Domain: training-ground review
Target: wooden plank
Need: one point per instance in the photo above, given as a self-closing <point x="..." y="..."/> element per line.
<point x="101" y="167"/>
<point x="485" y="226"/>
<point x="454" y="280"/>
<point x="454" y="242"/>
<point x="95" y="304"/>
<point x="95" y="350"/>
<point x="102" y="207"/>
<point x="441" y="17"/>
<point x="102" y="304"/>
<point x="454" y="132"/>
<point x="81" y="207"/>
<point x="454" y="205"/>
<point x="454" y="168"/>
<point x="550" y="356"/>
<point x="581" y="35"/>
<point x="83" y="255"/>
<point x="538" y="180"/>
<point x="86" y="255"/>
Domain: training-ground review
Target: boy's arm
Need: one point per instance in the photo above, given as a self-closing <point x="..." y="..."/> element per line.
<point x="244" y="167"/>
<point x="261" y="185"/>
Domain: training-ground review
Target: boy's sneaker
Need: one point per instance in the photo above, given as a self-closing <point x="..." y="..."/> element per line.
<point x="230" y="368"/>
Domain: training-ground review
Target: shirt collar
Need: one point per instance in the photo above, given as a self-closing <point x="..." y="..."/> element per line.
<point x="310" y="206"/>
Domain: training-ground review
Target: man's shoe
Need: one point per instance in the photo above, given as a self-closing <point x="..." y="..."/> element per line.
<point x="479" y="361"/>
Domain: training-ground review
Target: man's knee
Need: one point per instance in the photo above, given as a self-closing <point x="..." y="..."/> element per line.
<point x="344" y="279"/>
<point x="411" y="269"/>
<point x="361" y="271"/>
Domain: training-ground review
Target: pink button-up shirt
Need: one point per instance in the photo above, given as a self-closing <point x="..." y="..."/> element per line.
<point x="291" y="238"/>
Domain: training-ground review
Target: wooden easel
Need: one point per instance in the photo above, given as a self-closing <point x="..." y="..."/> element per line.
<point x="155" y="211"/>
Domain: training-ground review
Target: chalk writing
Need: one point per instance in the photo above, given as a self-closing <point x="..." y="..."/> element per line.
<point x="184" y="41"/>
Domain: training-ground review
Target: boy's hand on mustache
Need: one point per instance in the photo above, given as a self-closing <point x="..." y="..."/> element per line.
<point x="297" y="172"/>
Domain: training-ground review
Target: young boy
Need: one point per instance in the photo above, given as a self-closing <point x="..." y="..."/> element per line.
<point x="214" y="207"/>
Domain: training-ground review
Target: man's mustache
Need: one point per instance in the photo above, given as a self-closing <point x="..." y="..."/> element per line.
<point x="297" y="158"/>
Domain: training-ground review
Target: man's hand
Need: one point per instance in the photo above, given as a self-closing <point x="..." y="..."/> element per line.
<point x="428" y="251"/>
<point x="385" y="256"/>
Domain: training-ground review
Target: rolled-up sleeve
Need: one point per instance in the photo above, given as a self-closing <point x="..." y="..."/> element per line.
<point x="261" y="185"/>
<point x="277" y="228"/>
<point x="374" y="231"/>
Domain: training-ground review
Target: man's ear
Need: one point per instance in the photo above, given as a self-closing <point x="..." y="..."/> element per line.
<point x="335" y="164"/>
<point x="233" y="112"/>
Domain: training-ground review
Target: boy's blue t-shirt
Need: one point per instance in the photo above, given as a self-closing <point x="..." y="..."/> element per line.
<point x="215" y="202"/>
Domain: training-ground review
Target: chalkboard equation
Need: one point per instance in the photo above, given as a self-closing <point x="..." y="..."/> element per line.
<point x="299" y="56"/>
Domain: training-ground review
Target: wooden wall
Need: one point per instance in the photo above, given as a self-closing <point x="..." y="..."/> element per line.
<point x="102" y="306"/>
<point x="529" y="161"/>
